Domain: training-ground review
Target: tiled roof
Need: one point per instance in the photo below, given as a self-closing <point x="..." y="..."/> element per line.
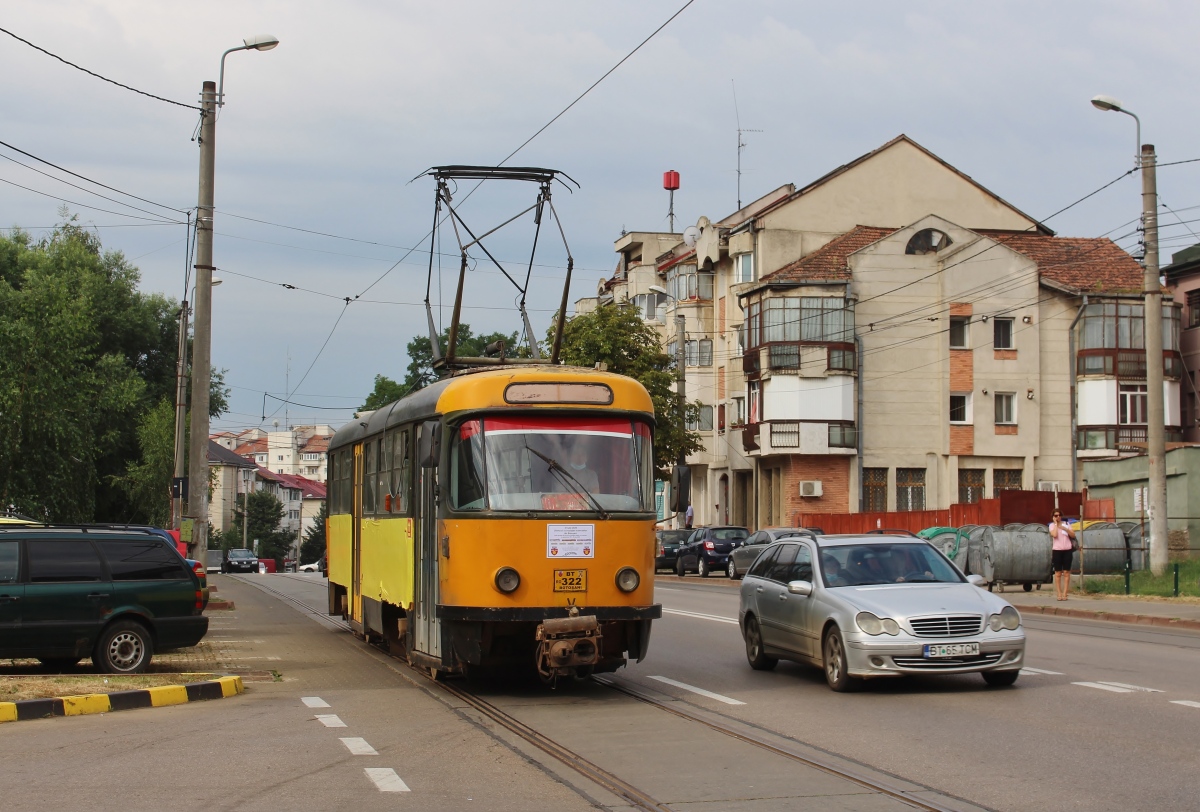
<point x="829" y="261"/>
<point x="251" y="448"/>
<point x="316" y="444"/>
<point x="1086" y="264"/>
<point x="309" y="489"/>
<point x="220" y="455"/>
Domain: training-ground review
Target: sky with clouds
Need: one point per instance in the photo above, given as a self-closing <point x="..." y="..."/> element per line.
<point x="327" y="132"/>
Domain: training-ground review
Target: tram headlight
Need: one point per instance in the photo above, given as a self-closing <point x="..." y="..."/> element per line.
<point x="507" y="579"/>
<point x="628" y="579"/>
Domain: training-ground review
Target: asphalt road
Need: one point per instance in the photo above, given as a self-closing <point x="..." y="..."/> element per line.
<point x="1119" y="741"/>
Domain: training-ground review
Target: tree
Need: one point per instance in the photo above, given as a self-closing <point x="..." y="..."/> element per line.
<point x="146" y="482"/>
<point x="265" y="513"/>
<point x="420" y="371"/>
<point x="313" y="546"/>
<point x="617" y="337"/>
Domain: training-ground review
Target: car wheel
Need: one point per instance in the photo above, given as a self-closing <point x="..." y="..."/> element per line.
<point x="836" y="672"/>
<point x="731" y="570"/>
<point x="702" y="567"/>
<point x="1027" y="587"/>
<point x="754" y="648"/>
<point x="124" y="648"/>
<point x="679" y="570"/>
<point x="58" y="663"/>
<point x="1000" y="679"/>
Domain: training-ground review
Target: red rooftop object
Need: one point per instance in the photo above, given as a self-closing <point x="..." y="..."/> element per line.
<point x="670" y="180"/>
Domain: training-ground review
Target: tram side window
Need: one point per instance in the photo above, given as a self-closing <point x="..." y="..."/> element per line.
<point x="332" y="493"/>
<point x="401" y="465"/>
<point x="383" y="503"/>
<point x="466" y="462"/>
<point x="369" y="474"/>
<point x="347" y="488"/>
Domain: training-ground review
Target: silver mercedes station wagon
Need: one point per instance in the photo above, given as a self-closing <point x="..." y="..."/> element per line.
<point x="875" y="606"/>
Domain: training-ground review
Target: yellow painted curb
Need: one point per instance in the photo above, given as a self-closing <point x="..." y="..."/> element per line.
<point x="231" y="686"/>
<point x="87" y="703"/>
<point x="167" y="695"/>
<point x="8" y="712"/>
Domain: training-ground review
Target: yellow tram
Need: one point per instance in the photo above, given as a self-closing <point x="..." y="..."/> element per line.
<point x="499" y="518"/>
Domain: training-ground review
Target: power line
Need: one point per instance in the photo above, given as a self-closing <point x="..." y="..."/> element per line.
<point x="160" y="221"/>
<point x="92" y="73"/>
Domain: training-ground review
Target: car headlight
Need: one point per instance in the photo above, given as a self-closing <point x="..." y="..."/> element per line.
<point x="873" y="625"/>
<point x="1008" y="619"/>
<point x="628" y="579"/>
<point x="507" y="579"/>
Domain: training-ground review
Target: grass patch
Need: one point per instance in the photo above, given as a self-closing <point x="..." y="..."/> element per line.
<point x="14" y="689"/>
<point x="1146" y="583"/>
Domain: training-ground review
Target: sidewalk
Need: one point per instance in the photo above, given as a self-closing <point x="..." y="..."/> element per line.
<point x="1178" y="613"/>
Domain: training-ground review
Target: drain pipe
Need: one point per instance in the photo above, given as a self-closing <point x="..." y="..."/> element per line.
<point x="1074" y="405"/>
<point x="859" y="420"/>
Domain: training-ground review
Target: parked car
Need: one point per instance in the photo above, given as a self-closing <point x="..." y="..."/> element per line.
<point x="239" y="559"/>
<point x="316" y="566"/>
<point x="116" y="596"/>
<point x="707" y="550"/>
<point x="666" y="547"/>
<point x="744" y="554"/>
<point x="818" y="600"/>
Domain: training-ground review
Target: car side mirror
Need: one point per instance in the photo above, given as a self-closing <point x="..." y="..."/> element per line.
<point x="801" y="588"/>
<point x="976" y="580"/>
<point x="429" y="444"/>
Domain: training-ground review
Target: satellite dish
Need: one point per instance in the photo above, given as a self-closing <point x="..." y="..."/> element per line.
<point x="690" y="235"/>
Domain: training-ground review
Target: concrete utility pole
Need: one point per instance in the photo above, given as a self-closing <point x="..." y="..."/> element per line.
<point x="180" y="412"/>
<point x="202" y="346"/>
<point x="681" y="376"/>
<point x="1156" y="446"/>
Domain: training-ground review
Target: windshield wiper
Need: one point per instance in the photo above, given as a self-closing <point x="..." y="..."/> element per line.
<point x="567" y="479"/>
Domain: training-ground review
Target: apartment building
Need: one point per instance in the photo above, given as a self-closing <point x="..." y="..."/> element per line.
<point x="300" y="451"/>
<point x="892" y="336"/>
<point x="1183" y="280"/>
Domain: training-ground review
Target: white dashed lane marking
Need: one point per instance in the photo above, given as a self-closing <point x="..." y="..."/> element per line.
<point x="314" y="702"/>
<point x="1186" y="702"/>
<point x="1131" y="687"/>
<point x="1114" y="688"/>
<point x="386" y="780"/>
<point x="1028" y="670"/>
<point x="359" y="747"/>
<point x="701" y="616"/>
<point x="330" y="720"/>
<point x="727" y="700"/>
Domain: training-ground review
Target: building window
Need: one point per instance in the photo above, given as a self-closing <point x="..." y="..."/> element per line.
<point x="685" y="284"/>
<point x="739" y="411"/>
<point x="1133" y="405"/>
<point x="721" y="417"/>
<point x="652" y="305"/>
<point x="743" y="268"/>
<point x="960" y="332"/>
<point x="1193" y="304"/>
<point x="809" y="318"/>
<point x="703" y="421"/>
<point x="970" y="485"/>
<point x="280" y="458"/>
<point x="784" y="356"/>
<point x="875" y="489"/>
<point x="699" y="352"/>
<point x="910" y="489"/>
<point x="842" y="435"/>
<point x="841" y="360"/>
<point x="1108" y="325"/>
<point x="960" y="408"/>
<point x="1005" y="480"/>
<point x="752" y="390"/>
<point x="927" y="241"/>
<point x="1006" y="408"/>
<point x="1003" y="333"/>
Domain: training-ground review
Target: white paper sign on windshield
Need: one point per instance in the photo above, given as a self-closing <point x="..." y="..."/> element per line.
<point x="571" y="541"/>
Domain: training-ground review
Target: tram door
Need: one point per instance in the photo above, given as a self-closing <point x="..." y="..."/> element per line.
<point x="427" y="632"/>
<point x="356" y="538"/>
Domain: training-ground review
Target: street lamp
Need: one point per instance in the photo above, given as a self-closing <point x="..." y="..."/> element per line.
<point x="211" y="99"/>
<point x="177" y="492"/>
<point x="1156" y="449"/>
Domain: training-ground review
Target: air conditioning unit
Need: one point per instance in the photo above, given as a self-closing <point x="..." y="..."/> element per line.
<point x="1047" y="485"/>
<point x="811" y="488"/>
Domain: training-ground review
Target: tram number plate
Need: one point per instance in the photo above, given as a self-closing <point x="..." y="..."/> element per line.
<point x="953" y="650"/>
<point x="570" y="580"/>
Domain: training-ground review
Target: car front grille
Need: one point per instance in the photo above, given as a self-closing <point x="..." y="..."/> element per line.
<point x="944" y="663"/>
<point x="946" y="626"/>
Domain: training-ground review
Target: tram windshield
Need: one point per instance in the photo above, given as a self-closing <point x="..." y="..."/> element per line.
<point x="535" y="463"/>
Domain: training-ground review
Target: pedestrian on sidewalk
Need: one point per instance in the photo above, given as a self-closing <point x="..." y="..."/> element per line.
<point x="1062" y="551"/>
<point x="689" y="516"/>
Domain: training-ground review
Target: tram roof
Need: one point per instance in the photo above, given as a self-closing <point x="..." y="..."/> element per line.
<point x="484" y="389"/>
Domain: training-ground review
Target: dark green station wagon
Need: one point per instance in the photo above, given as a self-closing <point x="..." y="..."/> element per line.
<point x="67" y="593"/>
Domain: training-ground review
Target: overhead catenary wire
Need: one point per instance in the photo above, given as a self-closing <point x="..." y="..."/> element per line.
<point x="157" y="218"/>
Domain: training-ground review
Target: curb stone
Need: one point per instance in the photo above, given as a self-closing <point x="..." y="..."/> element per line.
<point x="120" y="700"/>
<point x="1113" y="617"/>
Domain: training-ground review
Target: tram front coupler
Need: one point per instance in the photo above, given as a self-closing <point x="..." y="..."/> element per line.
<point x="567" y="643"/>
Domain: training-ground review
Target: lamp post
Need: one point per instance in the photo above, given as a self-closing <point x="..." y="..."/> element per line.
<point x="177" y="502"/>
<point x="212" y="97"/>
<point x="1156" y="447"/>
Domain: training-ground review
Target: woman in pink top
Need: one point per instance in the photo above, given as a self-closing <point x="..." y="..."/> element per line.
<point x="1062" y="551"/>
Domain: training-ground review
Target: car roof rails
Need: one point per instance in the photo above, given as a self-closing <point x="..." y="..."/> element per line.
<point x="892" y="531"/>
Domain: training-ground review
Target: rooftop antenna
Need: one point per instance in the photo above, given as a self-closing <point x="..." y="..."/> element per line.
<point x="741" y="145"/>
<point x="670" y="183"/>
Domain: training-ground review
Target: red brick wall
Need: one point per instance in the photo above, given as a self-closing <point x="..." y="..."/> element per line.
<point x="834" y="473"/>
<point x="1006" y="429"/>
<point x="1004" y="355"/>
<point x="960" y="309"/>
<point x="720" y="384"/>
<point x="962" y="370"/>
<point x="962" y="440"/>
<point x="721" y="315"/>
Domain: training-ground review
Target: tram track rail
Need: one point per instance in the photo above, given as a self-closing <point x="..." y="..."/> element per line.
<point x="635" y="797"/>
